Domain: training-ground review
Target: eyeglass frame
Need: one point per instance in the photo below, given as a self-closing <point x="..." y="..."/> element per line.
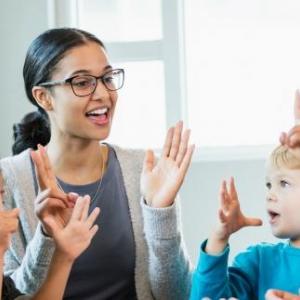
<point x="69" y="81"/>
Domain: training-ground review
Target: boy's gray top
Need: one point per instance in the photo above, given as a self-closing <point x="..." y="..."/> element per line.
<point x="162" y="269"/>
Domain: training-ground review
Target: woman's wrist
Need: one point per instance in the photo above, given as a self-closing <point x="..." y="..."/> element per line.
<point x="62" y="257"/>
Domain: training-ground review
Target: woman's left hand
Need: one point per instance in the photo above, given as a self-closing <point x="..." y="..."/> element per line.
<point x="73" y="238"/>
<point x="161" y="180"/>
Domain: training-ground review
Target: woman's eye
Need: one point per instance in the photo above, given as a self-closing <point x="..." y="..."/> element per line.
<point x="283" y="183"/>
<point x="82" y="82"/>
<point x="109" y="79"/>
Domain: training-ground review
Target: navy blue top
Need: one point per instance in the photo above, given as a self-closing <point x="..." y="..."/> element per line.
<point x="106" y="269"/>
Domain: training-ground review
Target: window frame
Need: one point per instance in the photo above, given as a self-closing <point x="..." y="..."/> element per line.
<point x="171" y="51"/>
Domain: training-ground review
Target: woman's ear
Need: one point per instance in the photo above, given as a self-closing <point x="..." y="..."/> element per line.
<point x="42" y="97"/>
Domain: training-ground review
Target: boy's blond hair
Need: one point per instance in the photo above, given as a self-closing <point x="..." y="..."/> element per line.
<point x="285" y="157"/>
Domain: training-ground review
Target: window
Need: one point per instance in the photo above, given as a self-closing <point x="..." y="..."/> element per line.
<point x="227" y="68"/>
<point x="243" y="66"/>
<point x="141" y="38"/>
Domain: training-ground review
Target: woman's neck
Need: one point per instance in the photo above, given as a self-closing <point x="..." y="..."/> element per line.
<point x="77" y="161"/>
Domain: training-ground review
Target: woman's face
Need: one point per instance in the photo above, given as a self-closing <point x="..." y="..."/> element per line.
<point x="88" y="117"/>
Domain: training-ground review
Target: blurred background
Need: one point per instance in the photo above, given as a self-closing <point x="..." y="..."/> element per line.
<point x="228" y="68"/>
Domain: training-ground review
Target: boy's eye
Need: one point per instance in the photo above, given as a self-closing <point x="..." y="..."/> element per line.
<point x="268" y="185"/>
<point x="283" y="183"/>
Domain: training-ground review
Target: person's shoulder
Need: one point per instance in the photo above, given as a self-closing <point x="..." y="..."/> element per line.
<point x="16" y="166"/>
<point x="129" y="154"/>
<point x="16" y="159"/>
<point x="265" y="248"/>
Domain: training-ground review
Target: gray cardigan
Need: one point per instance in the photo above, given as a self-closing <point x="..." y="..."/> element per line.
<point x="162" y="268"/>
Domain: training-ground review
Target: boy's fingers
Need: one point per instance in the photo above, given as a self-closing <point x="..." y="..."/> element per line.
<point x="232" y="190"/>
<point x="253" y="222"/>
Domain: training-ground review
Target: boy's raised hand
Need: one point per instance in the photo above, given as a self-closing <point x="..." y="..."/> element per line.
<point x="161" y="180"/>
<point x="230" y="220"/>
<point x="292" y="138"/>
<point x="71" y="240"/>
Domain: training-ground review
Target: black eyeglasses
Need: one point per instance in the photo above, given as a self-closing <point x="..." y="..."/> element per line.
<point x="85" y="85"/>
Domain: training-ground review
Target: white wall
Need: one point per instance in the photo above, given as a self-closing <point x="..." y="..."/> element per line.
<point x="20" y="22"/>
<point x="200" y="201"/>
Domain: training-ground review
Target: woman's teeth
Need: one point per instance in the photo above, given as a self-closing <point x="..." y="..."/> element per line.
<point x="98" y="112"/>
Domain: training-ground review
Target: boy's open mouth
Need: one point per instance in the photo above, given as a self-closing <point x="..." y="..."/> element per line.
<point x="273" y="216"/>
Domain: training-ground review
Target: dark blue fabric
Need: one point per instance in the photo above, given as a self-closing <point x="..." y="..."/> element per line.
<point x="106" y="269"/>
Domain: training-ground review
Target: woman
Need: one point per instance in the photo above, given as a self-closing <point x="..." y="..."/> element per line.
<point x="138" y="253"/>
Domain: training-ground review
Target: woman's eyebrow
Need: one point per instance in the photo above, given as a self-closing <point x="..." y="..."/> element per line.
<point x="85" y="71"/>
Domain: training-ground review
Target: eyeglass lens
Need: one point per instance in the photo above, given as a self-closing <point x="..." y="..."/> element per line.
<point x="86" y="84"/>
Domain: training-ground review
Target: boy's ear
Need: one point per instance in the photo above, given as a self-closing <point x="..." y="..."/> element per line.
<point x="42" y="97"/>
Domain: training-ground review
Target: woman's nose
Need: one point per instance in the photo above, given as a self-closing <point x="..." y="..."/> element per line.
<point x="101" y="91"/>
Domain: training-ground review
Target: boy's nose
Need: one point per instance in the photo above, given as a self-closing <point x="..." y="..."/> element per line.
<point x="271" y="197"/>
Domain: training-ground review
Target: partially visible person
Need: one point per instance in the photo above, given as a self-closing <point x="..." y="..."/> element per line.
<point x="8" y="225"/>
<point x="70" y="240"/>
<point x="291" y="138"/>
<point x="280" y="295"/>
<point x="263" y="266"/>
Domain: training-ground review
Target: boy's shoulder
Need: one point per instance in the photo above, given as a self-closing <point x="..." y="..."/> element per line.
<point x="267" y="246"/>
<point x="266" y="249"/>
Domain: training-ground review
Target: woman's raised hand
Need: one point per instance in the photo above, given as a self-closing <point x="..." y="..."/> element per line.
<point x="76" y="236"/>
<point x="45" y="175"/>
<point x="162" y="179"/>
<point x="51" y="201"/>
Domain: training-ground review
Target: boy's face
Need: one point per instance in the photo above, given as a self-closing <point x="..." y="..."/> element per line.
<point x="283" y="202"/>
